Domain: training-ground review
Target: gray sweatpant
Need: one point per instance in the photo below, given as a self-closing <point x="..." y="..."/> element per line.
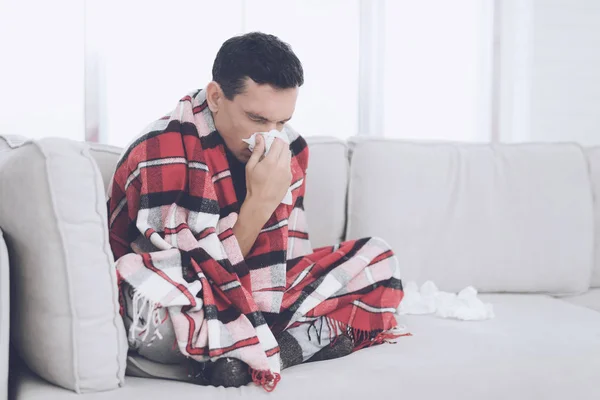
<point x="155" y="352"/>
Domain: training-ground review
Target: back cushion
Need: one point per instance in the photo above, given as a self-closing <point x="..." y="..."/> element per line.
<point x="7" y="144"/>
<point x="515" y="218"/>
<point x="326" y="188"/>
<point x="106" y="158"/>
<point x="66" y="323"/>
<point x="594" y="162"/>
<point x="326" y="184"/>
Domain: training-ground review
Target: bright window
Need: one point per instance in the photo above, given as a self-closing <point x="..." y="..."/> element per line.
<point x="324" y="36"/>
<point x="42" y="69"/>
<point x="103" y="70"/>
<point x="154" y="53"/>
<point x="438" y="69"/>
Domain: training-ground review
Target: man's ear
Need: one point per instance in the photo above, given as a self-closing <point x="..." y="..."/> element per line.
<point x="214" y="96"/>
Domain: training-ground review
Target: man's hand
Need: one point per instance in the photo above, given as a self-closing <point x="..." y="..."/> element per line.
<point x="267" y="180"/>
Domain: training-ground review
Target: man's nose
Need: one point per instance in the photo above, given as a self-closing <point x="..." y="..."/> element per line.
<point x="271" y="126"/>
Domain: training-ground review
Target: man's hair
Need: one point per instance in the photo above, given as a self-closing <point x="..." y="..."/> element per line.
<point x="261" y="57"/>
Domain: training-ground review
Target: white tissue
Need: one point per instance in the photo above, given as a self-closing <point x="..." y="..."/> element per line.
<point x="429" y="300"/>
<point x="269" y="138"/>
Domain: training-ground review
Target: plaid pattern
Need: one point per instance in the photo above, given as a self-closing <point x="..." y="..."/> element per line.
<point x="172" y="208"/>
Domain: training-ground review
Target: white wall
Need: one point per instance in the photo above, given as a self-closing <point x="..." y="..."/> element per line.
<point x="153" y="53"/>
<point x="325" y="37"/>
<point x="550" y="71"/>
<point x="42" y="68"/>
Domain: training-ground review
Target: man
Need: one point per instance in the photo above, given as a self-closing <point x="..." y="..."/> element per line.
<point x="214" y="266"/>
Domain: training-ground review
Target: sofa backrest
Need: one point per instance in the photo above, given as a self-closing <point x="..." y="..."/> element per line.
<point x="503" y="218"/>
<point x="326" y="185"/>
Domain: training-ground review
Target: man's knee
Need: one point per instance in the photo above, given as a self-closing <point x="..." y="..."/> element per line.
<point x="381" y="243"/>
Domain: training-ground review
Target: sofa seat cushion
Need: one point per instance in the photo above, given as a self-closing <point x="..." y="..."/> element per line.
<point x="590" y="299"/>
<point x="536" y="347"/>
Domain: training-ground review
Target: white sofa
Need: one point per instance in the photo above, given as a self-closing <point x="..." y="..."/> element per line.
<point x="519" y="222"/>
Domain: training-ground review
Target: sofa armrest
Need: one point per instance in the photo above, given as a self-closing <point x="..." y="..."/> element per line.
<point x="4" y="318"/>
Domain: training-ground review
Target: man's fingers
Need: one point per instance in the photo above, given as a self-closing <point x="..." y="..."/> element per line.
<point x="257" y="153"/>
<point x="275" y="151"/>
<point x="286" y="153"/>
<point x="286" y="156"/>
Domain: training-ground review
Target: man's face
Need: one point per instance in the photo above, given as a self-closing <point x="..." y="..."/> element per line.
<point x="259" y="108"/>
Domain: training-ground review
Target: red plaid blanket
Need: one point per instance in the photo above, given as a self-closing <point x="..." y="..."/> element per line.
<point x="172" y="207"/>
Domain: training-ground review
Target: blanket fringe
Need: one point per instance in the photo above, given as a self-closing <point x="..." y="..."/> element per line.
<point x="143" y="325"/>
<point x="267" y="379"/>
<point x="361" y="337"/>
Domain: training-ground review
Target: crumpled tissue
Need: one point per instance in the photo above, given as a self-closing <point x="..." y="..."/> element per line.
<point x="269" y="138"/>
<point x="430" y="300"/>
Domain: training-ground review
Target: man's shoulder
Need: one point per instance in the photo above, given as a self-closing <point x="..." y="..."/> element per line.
<point x="159" y="144"/>
<point x="298" y="146"/>
<point x="297" y="142"/>
<point x="134" y="149"/>
<point x="291" y="133"/>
